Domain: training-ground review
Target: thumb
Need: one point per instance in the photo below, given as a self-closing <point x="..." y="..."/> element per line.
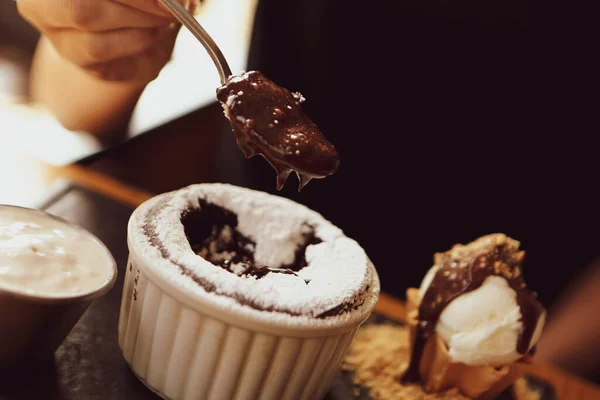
<point x="141" y="68"/>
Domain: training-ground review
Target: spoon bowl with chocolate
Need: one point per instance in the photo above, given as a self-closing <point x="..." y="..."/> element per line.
<point x="267" y="119"/>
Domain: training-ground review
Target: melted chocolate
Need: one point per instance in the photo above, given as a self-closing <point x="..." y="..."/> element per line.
<point x="464" y="269"/>
<point x="212" y="233"/>
<point x="268" y="120"/>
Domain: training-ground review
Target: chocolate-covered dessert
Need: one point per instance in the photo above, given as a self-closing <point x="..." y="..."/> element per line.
<point x="379" y="354"/>
<point x="464" y="269"/>
<point x="473" y="321"/>
<point x="268" y="120"/>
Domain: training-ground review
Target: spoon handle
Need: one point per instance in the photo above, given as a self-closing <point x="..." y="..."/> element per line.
<point x="188" y="20"/>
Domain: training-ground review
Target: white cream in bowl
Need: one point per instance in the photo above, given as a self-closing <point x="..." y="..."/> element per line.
<point x="41" y="255"/>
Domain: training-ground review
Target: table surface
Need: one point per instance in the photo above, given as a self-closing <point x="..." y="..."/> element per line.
<point x="567" y="386"/>
<point x="107" y="187"/>
<point x="89" y="363"/>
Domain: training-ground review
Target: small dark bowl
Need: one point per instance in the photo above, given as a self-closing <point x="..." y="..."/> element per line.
<point x="33" y="326"/>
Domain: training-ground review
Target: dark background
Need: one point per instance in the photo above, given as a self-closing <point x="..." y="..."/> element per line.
<point x="430" y="104"/>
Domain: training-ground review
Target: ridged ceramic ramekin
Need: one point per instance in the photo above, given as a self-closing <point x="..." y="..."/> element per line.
<point x="187" y="351"/>
<point x="186" y="343"/>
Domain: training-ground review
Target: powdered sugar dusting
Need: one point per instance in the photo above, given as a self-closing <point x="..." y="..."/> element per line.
<point x="230" y="100"/>
<point x="241" y="77"/>
<point x="338" y="272"/>
<point x="238" y="78"/>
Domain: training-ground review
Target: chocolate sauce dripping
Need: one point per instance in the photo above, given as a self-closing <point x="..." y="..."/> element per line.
<point x="303" y="179"/>
<point x="465" y="270"/>
<point x="268" y="120"/>
<point x="282" y="175"/>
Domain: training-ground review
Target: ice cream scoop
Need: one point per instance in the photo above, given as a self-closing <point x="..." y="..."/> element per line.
<point x="474" y="300"/>
<point x="482" y="327"/>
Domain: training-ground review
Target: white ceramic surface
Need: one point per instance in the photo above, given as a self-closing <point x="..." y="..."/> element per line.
<point x="183" y="352"/>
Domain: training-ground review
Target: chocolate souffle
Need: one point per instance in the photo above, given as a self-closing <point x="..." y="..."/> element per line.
<point x="261" y="251"/>
<point x="214" y="260"/>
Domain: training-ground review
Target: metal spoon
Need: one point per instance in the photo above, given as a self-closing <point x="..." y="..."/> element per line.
<point x="188" y="20"/>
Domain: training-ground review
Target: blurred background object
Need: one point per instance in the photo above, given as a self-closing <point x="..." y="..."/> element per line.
<point x="13" y="72"/>
<point x="23" y="178"/>
<point x="29" y="134"/>
<point x="188" y="81"/>
<point x="30" y="138"/>
<point x="571" y="338"/>
<point x="17" y="43"/>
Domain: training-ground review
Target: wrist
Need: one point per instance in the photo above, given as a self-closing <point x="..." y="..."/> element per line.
<point x="76" y="98"/>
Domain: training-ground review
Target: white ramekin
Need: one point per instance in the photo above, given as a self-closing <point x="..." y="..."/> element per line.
<point x="186" y="348"/>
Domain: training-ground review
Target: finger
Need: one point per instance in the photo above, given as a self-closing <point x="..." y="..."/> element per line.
<point x="149" y="6"/>
<point x="93" y="15"/>
<point x="143" y="67"/>
<point x="89" y="48"/>
<point x="155" y="7"/>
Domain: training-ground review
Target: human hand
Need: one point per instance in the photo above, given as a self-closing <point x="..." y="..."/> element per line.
<point x="115" y="40"/>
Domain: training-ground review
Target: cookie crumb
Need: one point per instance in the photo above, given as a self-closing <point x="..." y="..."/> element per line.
<point x="378" y="357"/>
